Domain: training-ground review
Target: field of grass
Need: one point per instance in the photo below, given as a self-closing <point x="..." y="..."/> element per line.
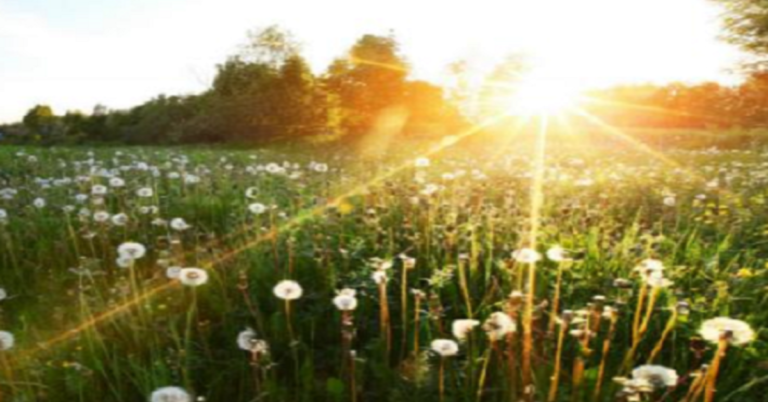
<point x="125" y="271"/>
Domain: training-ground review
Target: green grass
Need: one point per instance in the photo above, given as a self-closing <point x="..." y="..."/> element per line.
<point x="87" y="330"/>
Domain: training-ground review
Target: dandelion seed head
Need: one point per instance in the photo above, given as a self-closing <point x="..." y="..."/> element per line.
<point x="132" y="250"/>
<point x="445" y="347"/>
<point x="170" y="394"/>
<point x="462" y="327"/>
<point x="288" y="290"/>
<point x="737" y="332"/>
<point x="526" y="255"/>
<point x="193" y="277"/>
<point x="499" y="325"/>
<point x="7" y="340"/>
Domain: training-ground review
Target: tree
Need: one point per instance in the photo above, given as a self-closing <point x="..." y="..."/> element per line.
<point x="746" y="23"/>
<point x="272" y="46"/>
<point x="368" y="81"/>
<point x="39" y="120"/>
<point x="500" y="86"/>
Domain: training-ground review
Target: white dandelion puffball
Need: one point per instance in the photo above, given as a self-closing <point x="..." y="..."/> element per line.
<point x="6" y="340"/>
<point x="557" y="254"/>
<point x="650" y="264"/>
<point x="257" y="208"/>
<point x="193" y="277"/>
<point x="498" y="325"/>
<point x="173" y="272"/>
<point x="170" y="394"/>
<point x="123" y="261"/>
<point x="345" y="300"/>
<point x="251" y="192"/>
<point x="737" y="331"/>
<point x="120" y="219"/>
<point x="526" y="255"/>
<point x="247" y="340"/>
<point x="145" y="192"/>
<point x="421" y="162"/>
<point x="132" y="250"/>
<point x="461" y="328"/>
<point x="116" y="182"/>
<point x="654" y="377"/>
<point x="99" y="190"/>
<point x="3" y="294"/>
<point x="445" y="347"/>
<point x="101" y="216"/>
<point x="380" y="277"/>
<point x="288" y="290"/>
<point x="179" y="224"/>
<point x="39" y="203"/>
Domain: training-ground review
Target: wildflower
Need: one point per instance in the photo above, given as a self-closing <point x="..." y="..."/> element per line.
<point x="498" y="325"/>
<point x="3" y="294"/>
<point x="39" y="203"/>
<point x="179" y="224"/>
<point x="257" y="208"/>
<point x="170" y="394"/>
<point x="251" y="192"/>
<point x="655" y="279"/>
<point x="116" y="182"/>
<point x="3" y="216"/>
<point x="557" y="254"/>
<point x="462" y="328"/>
<point x="124" y="261"/>
<point x="345" y="300"/>
<point x="193" y="277"/>
<point x="145" y="192"/>
<point x="526" y="255"/>
<point x="132" y="250"/>
<point x="99" y="190"/>
<point x="650" y="265"/>
<point x="648" y="378"/>
<point x="737" y="332"/>
<point x="408" y="262"/>
<point x="670" y="201"/>
<point x="101" y="216"/>
<point x="445" y="347"/>
<point x="173" y="272"/>
<point x="247" y="340"/>
<point x="288" y="290"/>
<point x="380" y="277"/>
<point x="6" y="340"/>
<point x="421" y="162"/>
<point x="120" y="219"/>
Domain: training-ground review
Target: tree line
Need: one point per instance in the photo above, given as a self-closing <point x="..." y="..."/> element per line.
<point x="267" y="92"/>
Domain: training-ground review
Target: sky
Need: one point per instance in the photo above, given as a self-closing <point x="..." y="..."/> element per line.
<point x="74" y="54"/>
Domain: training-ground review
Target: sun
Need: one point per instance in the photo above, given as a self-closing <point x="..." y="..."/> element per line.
<point x="541" y="96"/>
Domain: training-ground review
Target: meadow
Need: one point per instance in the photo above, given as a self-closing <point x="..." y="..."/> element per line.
<point x="418" y="273"/>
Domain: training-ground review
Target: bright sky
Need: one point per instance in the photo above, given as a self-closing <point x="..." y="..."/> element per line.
<point x="73" y="54"/>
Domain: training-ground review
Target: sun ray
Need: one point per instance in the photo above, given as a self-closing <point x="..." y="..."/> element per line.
<point x="652" y="109"/>
<point x="536" y="200"/>
<point x="157" y="289"/>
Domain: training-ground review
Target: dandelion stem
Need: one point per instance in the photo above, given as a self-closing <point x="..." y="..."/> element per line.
<point x="670" y="326"/>
<point x="714" y="368"/>
<point x="556" y="300"/>
<point x="484" y="371"/>
<point x="558" y="361"/>
<point x="604" y="357"/>
<point x="441" y="379"/>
